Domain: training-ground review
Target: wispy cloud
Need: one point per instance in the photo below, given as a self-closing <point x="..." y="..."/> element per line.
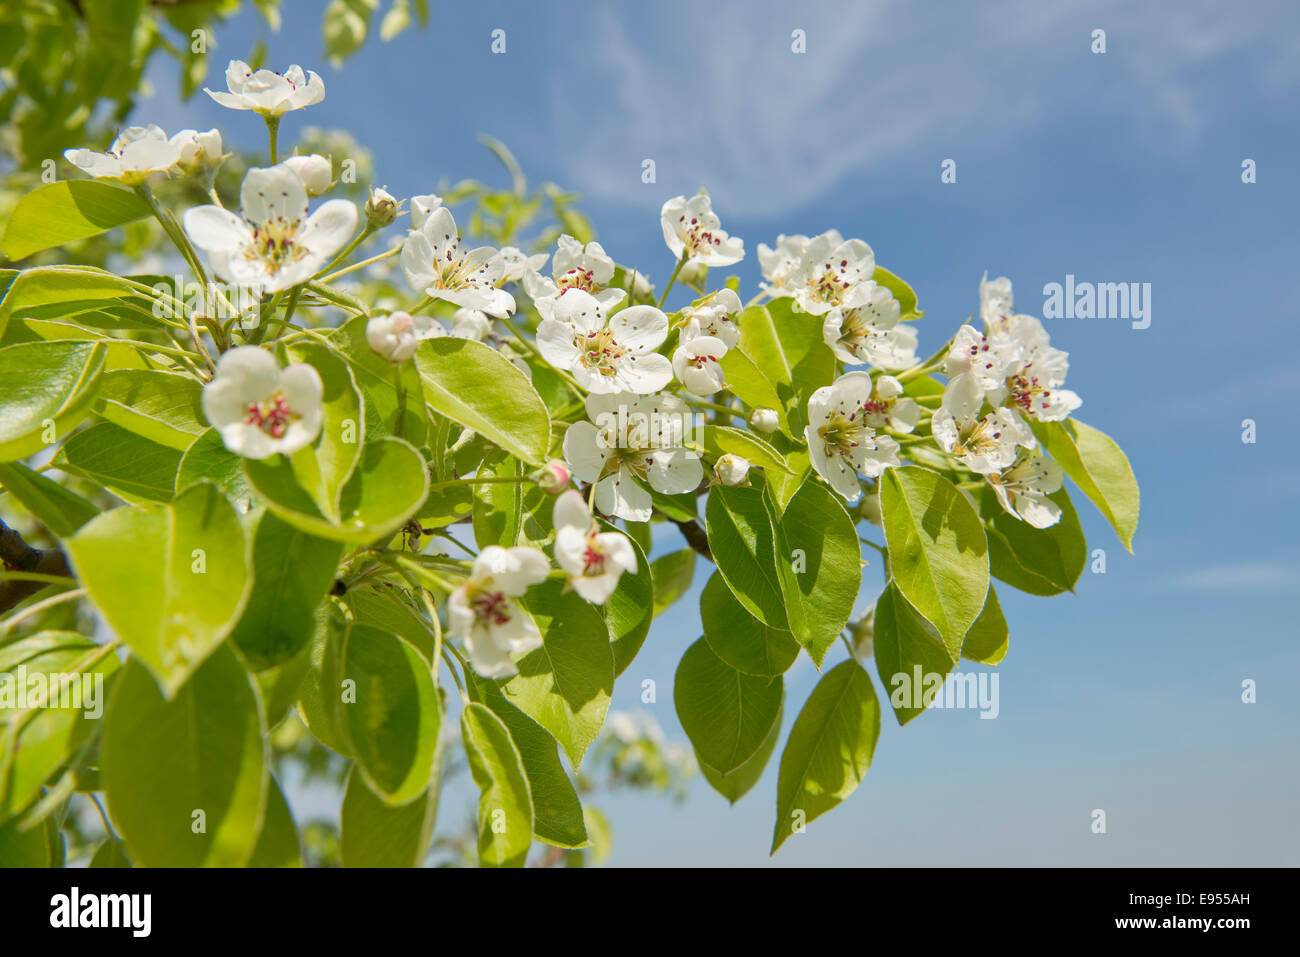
<point x="728" y="105"/>
<point x="1242" y="576"/>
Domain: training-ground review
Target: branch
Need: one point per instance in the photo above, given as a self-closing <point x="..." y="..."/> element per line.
<point x="17" y="556"/>
<point x="696" y="537"/>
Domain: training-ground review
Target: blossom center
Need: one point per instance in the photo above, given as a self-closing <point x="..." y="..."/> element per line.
<point x="582" y="279"/>
<point x="491" y="607"/>
<point x="273" y="416"/>
<point x="593" y="559"/>
<point x="275" y="243"/>
<point x="695" y="236"/>
<point x="841" y="433"/>
<point x="599" y="351"/>
<point x="831" y="283"/>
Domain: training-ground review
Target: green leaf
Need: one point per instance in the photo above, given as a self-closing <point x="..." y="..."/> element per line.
<point x="375" y="834"/>
<point x="672" y="575"/>
<point x="511" y="513"/>
<point x="320" y="696"/>
<point x="49" y="387"/>
<point x="472" y="384"/>
<point x="392" y="724"/>
<point x="324" y="468"/>
<point x="900" y="291"/>
<point x="386" y="490"/>
<point x="58" y="213"/>
<point x="19" y="848"/>
<point x="110" y="854"/>
<point x="345" y="25"/>
<point x="375" y="376"/>
<point x="1099" y="467"/>
<point x="829" y="748"/>
<point x="505" y="807"/>
<point x="51" y="292"/>
<point x="909" y="653"/>
<point x="630" y="609"/>
<point x="938" y="554"/>
<point x="744" y="548"/>
<point x="208" y="458"/>
<point x="37" y="738"/>
<point x="1040" y="561"/>
<point x="782" y="487"/>
<point x="557" y="812"/>
<point x="741" y="640"/>
<point x="740" y="781"/>
<point x="160" y="406"/>
<point x="167" y="765"/>
<point x="726" y="714"/>
<point x="59" y="510"/>
<point x="128" y="465"/>
<point x="397" y="19"/>
<point x="292" y="571"/>
<point x="385" y="610"/>
<point x="277" y="845"/>
<point x="171" y="580"/>
<point x="819" y="562"/>
<point x="566" y="684"/>
<point x="722" y="440"/>
<point x="988" y="639"/>
<point x="747" y="381"/>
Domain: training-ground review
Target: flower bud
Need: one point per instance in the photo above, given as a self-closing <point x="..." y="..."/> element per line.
<point x="732" y="470"/>
<point x="422" y="208"/>
<point x="553" y="477"/>
<point x="315" y="171"/>
<point x="381" y="208"/>
<point x="863" y="631"/>
<point x="397" y="335"/>
<point x="470" y="324"/>
<point x="764" y="420"/>
<point x="199" y="151"/>
<point x="869" y="507"/>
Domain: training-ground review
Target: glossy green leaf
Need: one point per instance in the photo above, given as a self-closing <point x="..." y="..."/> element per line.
<point x="94" y="297"/>
<point x="505" y="807"/>
<point x="938" y="554"/>
<point x="208" y="458"/>
<point x="171" y="580"/>
<point x="323" y="468"/>
<point x="1099" y="467"/>
<point x="818" y="559"/>
<point x="988" y="639"/>
<point x="186" y="779"/>
<point x="566" y="684"/>
<point x="375" y="834"/>
<point x="386" y="490"/>
<point x="385" y="610"/>
<point x="320" y="697"/>
<point x="277" y="844"/>
<point x="1040" y="561"/>
<point x="726" y="714"/>
<point x="160" y="406"/>
<point x="723" y="440"/>
<point x="630" y="609"/>
<point x="474" y="385"/>
<point x="292" y="571"/>
<point x="672" y="575"/>
<point x="58" y="509"/>
<point x="911" y="655"/>
<point x="130" y="466"/>
<point x="58" y="213"/>
<point x="829" y="749"/>
<point x="740" y="639"/>
<point x="744" y="548"/>
<point x="392" y="722"/>
<point x="740" y="781"/>
<point x="48" y="389"/>
<point x="900" y="290"/>
<point x="557" y="812"/>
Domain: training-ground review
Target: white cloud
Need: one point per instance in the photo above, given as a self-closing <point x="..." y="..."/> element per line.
<point x="1238" y="577"/>
<point x="726" y="104"/>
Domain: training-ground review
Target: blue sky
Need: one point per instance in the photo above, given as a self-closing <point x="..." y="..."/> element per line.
<point x="1115" y="167"/>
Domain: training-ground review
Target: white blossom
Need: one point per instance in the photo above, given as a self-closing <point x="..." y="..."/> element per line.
<point x="260" y="409"/>
<point x="780" y="263"/>
<point x="841" y="441"/>
<point x="435" y="264"/>
<point x="198" y="151"/>
<point x="731" y="469"/>
<point x="634" y="440"/>
<point x="422" y="207"/>
<point x="697" y="363"/>
<point x="764" y="420"/>
<point x="138" y="153"/>
<point x="274" y="244"/>
<point x="871" y="332"/>
<point x="606" y="356"/>
<point x="716" y="316"/>
<point x="1024" y="488"/>
<point x="574" y="267"/>
<point x="398" y="335"/>
<point x="593" y="560"/>
<point x="482" y="612"/>
<point x="831" y="273"/>
<point x="267" y="92"/>
<point x="693" y="229"/>
<point x="470" y="324"/>
<point x="1032" y="383"/>
<point x="984" y="442"/>
<point x="515" y="264"/>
